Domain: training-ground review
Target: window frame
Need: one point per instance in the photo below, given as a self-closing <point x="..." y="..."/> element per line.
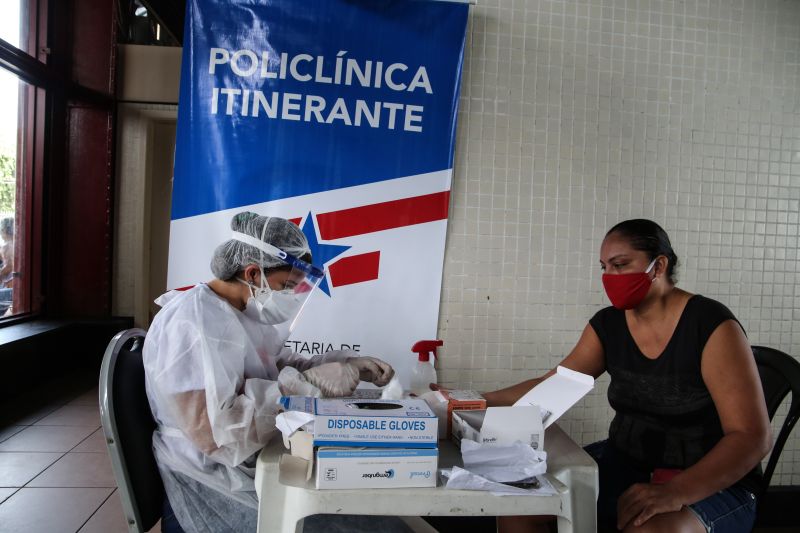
<point x="71" y="185"/>
<point x="29" y="201"/>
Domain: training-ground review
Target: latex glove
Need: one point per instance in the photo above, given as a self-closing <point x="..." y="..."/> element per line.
<point x="372" y="369"/>
<point x="333" y="379"/>
<point x="293" y="383"/>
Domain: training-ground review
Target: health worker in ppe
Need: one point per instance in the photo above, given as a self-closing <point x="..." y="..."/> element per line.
<point x="216" y="366"/>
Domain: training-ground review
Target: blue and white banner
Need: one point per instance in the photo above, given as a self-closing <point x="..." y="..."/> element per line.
<point x="339" y="115"/>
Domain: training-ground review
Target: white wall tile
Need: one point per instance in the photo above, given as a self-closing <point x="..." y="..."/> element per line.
<point x="575" y="115"/>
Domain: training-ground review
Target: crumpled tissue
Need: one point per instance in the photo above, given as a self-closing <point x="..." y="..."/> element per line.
<point x="460" y="479"/>
<point x="288" y="422"/>
<point x="490" y="467"/>
<point x="503" y="462"/>
<point x="393" y="390"/>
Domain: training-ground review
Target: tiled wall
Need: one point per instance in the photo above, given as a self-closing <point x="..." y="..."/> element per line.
<point x="575" y="115"/>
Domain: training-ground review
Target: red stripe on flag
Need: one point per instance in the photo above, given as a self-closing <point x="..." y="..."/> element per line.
<point x="383" y="216"/>
<point x="296" y="221"/>
<point x="355" y="269"/>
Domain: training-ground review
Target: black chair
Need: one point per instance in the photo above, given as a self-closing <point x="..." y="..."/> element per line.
<point x="128" y="427"/>
<point x="780" y="375"/>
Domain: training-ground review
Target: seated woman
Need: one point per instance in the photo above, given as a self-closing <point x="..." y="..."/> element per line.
<point x="690" y="424"/>
<point x="216" y="366"/>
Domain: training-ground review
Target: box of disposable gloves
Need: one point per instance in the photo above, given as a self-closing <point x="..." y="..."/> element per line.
<point x="376" y="468"/>
<point x="406" y="423"/>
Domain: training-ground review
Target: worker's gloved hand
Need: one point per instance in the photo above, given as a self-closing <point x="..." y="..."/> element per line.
<point x="293" y="383"/>
<point x="372" y="369"/>
<point x="333" y="379"/>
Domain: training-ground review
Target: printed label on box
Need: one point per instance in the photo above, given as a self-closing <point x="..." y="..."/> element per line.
<point x="407" y="423"/>
<point x="353" y="468"/>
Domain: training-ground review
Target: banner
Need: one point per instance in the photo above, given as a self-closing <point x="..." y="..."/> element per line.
<point x="339" y="115"/>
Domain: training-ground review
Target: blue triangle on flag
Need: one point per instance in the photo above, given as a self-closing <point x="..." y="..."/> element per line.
<point x="321" y="253"/>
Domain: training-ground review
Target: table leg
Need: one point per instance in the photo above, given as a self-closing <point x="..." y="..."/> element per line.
<point x="583" y="496"/>
<point x="274" y="516"/>
<point x="564" y="525"/>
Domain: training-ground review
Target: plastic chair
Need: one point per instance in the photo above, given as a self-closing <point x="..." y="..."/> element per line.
<point x="128" y="427"/>
<point x="780" y="375"/>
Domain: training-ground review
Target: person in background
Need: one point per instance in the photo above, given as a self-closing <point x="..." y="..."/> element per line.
<point x="6" y="265"/>
<point x="216" y="367"/>
<point x="690" y="424"/>
<point x="7" y="250"/>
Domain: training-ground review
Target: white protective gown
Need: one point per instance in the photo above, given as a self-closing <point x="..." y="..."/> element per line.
<point x="212" y="378"/>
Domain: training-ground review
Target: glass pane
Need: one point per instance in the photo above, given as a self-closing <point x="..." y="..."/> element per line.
<point x="14" y="98"/>
<point x="15" y="23"/>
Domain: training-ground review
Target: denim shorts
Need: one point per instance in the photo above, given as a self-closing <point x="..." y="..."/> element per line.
<point x="732" y="510"/>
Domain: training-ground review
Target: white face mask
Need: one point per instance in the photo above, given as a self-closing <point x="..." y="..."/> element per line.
<point x="269" y="306"/>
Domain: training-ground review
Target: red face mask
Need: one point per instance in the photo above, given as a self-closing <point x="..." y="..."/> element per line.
<point x="626" y="291"/>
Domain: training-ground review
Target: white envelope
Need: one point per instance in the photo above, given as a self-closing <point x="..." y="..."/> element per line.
<point x="558" y="393"/>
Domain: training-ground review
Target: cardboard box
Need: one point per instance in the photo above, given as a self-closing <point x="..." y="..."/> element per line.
<point x="500" y="425"/>
<point x="365" y="394"/>
<point x="373" y="468"/>
<point x="461" y="400"/>
<point x="407" y="423"/>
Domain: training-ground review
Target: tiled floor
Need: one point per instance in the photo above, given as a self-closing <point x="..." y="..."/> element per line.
<point x="55" y="474"/>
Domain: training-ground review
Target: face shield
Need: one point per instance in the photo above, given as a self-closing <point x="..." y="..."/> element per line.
<point x="281" y="307"/>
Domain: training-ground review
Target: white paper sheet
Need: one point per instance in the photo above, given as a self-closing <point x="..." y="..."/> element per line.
<point x="558" y="393"/>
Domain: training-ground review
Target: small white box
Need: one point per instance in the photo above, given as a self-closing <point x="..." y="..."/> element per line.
<point x="500" y="425"/>
<point x="373" y="468"/>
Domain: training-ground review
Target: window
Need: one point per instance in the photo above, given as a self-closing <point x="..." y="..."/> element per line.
<point x="57" y="65"/>
<point x="15" y="24"/>
<point x="12" y="165"/>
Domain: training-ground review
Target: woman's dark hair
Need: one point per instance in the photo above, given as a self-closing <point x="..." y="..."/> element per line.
<point x="647" y="236"/>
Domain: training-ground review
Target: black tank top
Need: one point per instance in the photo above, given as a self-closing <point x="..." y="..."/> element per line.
<point x="665" y="416"/>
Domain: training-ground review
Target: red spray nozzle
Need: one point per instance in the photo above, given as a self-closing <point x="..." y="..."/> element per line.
<point x="425" y="349"/>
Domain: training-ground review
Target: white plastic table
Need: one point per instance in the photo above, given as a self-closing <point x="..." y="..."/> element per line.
<point x="571" y="470"/>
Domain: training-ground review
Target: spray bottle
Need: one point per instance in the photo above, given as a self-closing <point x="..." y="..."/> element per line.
<point x="424" y="373"/>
